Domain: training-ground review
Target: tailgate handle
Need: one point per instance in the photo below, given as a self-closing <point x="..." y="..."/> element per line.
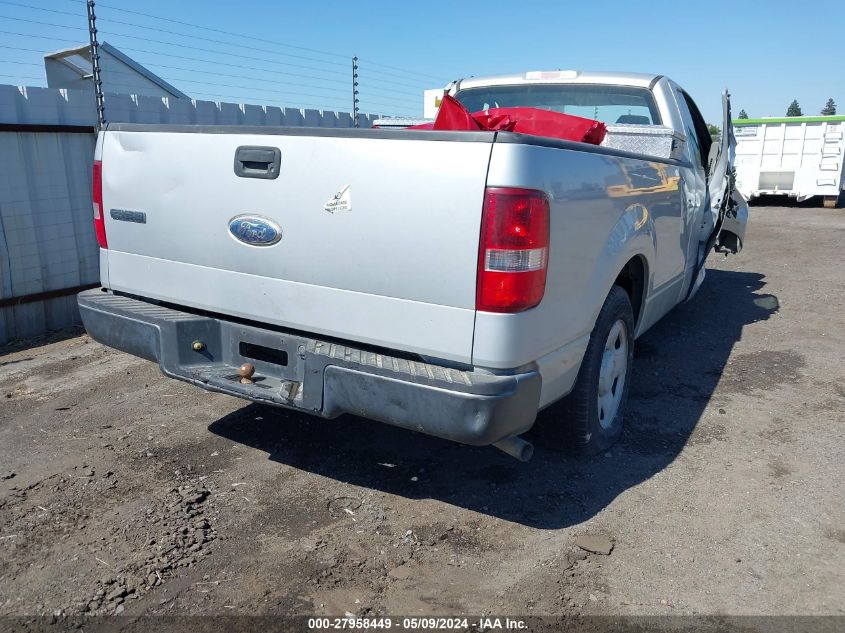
<point x="252" y="161"/>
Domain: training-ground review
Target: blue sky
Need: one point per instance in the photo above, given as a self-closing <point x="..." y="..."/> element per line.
<point x="766" y="53"/>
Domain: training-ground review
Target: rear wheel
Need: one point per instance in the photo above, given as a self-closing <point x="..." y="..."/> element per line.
<point x="589" y="419"/>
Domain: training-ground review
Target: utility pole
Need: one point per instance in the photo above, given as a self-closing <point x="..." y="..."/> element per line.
<point x="95" y="66"/>
<point x="355" y="92"/>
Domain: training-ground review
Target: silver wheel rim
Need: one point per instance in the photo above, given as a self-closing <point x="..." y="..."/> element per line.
<point x="614" y="366"/>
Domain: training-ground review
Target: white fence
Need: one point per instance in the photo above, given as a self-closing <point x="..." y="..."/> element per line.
<point x="47" y="246"/>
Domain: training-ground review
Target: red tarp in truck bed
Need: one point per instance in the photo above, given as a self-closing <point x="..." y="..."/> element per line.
<point x="454" y="116"/>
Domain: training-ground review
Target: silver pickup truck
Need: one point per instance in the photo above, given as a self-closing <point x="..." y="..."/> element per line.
<point x="451" y="283"/>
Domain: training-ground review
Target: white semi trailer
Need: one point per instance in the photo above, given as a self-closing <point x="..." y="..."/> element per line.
<point x="799" y="157"/>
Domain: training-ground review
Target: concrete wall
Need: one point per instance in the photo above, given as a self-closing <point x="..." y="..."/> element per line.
<point x="47" y="241"/>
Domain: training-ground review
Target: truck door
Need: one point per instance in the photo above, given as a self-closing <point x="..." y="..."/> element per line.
<point x="728" y="209"/>
<point x="717" y="213"/>
<point x="694" y="183"/>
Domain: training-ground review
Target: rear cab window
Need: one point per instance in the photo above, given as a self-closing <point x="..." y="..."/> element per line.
<point x="608" y="104"/>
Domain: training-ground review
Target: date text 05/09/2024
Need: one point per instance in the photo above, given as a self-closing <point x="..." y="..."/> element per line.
<point x="351" y="623"/>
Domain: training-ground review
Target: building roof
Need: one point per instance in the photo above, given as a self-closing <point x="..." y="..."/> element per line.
<point x="78" y="59"/>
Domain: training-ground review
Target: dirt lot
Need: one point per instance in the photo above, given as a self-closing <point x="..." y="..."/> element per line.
<point x="124" y="492"/>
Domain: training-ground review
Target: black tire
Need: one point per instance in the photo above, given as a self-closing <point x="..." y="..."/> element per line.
<point x="574" y="423"/>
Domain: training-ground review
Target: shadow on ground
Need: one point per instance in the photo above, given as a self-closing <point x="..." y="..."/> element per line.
<point x="54" y="336"/>
<point x="816" y="202"/>
<point x="677" y="367"/>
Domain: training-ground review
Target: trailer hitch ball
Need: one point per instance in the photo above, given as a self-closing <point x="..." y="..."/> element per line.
<point x="197" y="346"/>
<point x="246" y="371"/>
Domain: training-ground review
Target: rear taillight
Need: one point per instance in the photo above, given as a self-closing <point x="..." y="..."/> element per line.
<point x="514" y="250"/>
<point x="97" y="196"/>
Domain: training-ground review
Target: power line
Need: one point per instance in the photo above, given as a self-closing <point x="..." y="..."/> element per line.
<point x="40" y="37"/>
<point x="238" y="97"/>
<point x="213" y="30"/>
<point x="147" y="39"/>
<point x="386" y="93"/>
<point x="297" y="93"/>
<point x="393" y="89"/>
<point x="207" y="39"/>
<point x="253" y="38"/>
<point x="393" y="85"/>
<point x="391" y="82"/>
<point x="390" y="74"/>
<point x="404" y="70"/>
<point x="395" y="101"/>
<point x="214" y="83"/>
<point x="239" y="76"/>
<point x="18" y="48"/>
<point x="249" y="37"/>
<point x="41" y="23"/>
<point x="29" y="6"/>
<point x="168" y="43"/>
<point x="196" y="37"/>
<point x="392" y="95"/>
<point x="196" y="48"/>
<point x="264" y="79"/>
<point x="218" y="63"/>
<point x="131" y="89"/>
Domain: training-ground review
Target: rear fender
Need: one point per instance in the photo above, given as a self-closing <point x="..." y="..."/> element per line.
<point x="562" y="322"/>
<point x="632" y="236"/>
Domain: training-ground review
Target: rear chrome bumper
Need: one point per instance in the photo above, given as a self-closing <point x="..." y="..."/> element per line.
<point x="318" y="377"/>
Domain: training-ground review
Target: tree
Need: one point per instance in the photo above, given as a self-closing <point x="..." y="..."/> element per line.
<point x="794" y="109"/>
<point x="742" y="114"/>
<point x="829" y="108"/>
<point x="715" y="131"/>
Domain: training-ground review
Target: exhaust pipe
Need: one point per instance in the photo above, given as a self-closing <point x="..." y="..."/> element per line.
<point x="516" y="447"/>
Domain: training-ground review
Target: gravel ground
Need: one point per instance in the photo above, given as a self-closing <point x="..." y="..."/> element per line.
<point x="124" y="492"/>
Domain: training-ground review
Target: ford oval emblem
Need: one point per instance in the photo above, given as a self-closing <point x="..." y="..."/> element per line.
<point x="254" y="230"/>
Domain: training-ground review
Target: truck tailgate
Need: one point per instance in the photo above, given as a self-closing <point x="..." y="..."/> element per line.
<point x="396" y="269"/>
